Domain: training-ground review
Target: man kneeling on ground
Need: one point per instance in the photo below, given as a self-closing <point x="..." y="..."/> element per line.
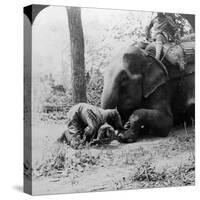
<point x="85" y="121"/>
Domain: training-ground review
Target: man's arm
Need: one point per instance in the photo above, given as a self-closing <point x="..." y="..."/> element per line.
<point x="91" y="119"/>
<point x="147" y="30"/>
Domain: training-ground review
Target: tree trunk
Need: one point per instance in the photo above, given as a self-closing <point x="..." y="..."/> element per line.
<point x="77" y="55"/>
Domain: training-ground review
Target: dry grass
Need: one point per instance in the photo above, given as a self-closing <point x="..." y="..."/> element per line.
<point x="63" y="161"/>
<point x="147" y="176"/>
<point x="153" y="165"/>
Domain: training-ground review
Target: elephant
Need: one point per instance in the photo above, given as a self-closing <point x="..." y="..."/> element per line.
<point x="150" y="95"/>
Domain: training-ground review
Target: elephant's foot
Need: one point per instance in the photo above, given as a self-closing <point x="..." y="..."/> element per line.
<point x="133" y="128"/>
<point x="128" y="136"/>
<point x="124" y="139"/>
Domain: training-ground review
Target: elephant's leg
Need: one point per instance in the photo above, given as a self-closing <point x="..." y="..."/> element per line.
<point x="189" y="86"/>
<point x="158" y="121"/>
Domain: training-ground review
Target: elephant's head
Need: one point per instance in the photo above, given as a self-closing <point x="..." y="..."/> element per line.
<point x="130" y="79"/>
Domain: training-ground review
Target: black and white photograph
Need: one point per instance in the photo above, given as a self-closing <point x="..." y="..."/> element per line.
<point x="109" y="99"/>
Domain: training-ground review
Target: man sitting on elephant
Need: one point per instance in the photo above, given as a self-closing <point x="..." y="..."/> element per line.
<point x="163" y="29"/>
<point x="84" y="122"/>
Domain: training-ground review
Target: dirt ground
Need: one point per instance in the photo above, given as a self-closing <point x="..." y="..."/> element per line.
<point x="150" y="162"/>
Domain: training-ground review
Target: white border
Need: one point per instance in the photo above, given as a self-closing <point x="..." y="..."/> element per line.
<point x="11" y="100"/>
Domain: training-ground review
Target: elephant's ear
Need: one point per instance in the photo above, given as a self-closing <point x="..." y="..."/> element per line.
<point x="154" y="75"/>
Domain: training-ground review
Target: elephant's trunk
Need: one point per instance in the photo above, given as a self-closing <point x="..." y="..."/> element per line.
<point x="109" y="98"/>
<point x="109" y="101"/>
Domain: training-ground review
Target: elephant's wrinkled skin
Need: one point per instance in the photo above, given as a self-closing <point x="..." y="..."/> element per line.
<point x="147" y="94"/>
